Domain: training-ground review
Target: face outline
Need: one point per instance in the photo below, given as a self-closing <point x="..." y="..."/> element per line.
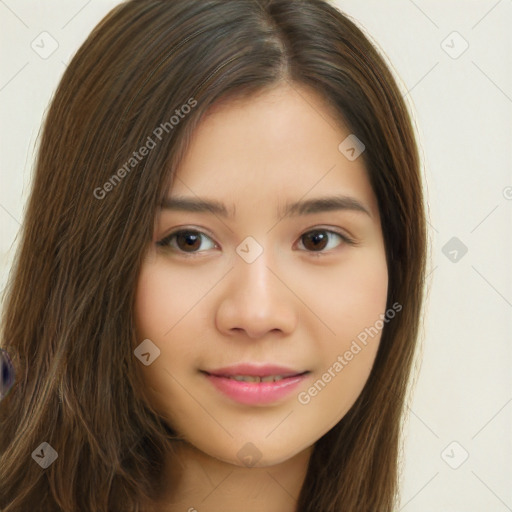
<point x="256" y="290"/>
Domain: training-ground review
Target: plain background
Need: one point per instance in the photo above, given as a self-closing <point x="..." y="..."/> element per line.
<point x="458" y="443"/>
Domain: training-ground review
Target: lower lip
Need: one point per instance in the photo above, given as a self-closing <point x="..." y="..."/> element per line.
<point x="253" y="393"/>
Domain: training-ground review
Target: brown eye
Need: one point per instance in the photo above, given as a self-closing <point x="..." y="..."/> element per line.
<point x="320" y="239"/>
<point x="187" y="241"/>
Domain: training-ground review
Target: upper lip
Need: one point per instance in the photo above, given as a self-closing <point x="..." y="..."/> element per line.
<point x="254" y="370"/>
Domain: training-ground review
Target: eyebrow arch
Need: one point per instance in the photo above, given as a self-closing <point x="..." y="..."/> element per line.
<point x="325" y="204"/>
<point x="189" y="204"/>
<point x="308" y="207"/>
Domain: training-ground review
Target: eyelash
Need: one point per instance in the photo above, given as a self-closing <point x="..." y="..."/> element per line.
<point x="165" y="242"/>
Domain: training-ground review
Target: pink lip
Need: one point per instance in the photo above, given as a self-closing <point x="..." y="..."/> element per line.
<point x="253" y="393"/>
<point x="254" y="370"/>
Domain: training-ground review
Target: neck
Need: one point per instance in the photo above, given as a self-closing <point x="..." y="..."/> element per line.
<point x="196" y="482"/>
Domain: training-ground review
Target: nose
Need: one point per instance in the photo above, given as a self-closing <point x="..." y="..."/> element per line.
<point x="256" y="301"/>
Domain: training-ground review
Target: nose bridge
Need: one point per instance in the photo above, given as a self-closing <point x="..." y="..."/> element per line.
<point x="252" y="271"/>
<point x="255" y="300"/>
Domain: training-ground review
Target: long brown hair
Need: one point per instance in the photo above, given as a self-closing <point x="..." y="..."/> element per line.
<point x="68" y="314"/>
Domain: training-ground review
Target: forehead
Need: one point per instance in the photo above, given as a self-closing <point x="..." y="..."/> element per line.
<point x="282" y="144"/>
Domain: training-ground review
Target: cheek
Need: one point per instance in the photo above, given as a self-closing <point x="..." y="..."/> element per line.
<point x="167" y="311"/>
<point x="365" y="294"/>
<point x="163" y="298"/>
<point x="157" y="311"/>
<point x="351" y="297"/>
<point x="353" y="304"/>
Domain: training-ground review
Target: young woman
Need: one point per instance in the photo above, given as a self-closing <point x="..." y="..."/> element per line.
<point x="218" y="290"/>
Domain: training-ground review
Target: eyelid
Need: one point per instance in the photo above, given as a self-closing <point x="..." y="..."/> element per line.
<point x="180" y="229"/>
<point x="332" y="229"/>
<point x="345" y="239"/>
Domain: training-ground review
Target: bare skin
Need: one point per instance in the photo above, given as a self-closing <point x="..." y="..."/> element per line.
<point x="301" y="302"/>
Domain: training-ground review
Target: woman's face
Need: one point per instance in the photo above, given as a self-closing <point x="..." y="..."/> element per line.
<point x="283" y="274"/>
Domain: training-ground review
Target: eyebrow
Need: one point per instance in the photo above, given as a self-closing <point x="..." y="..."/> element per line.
<point x="307" y="207"/>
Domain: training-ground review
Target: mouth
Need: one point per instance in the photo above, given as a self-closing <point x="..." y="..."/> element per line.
<point x="255" y="378"/>
<point x="253" y="385"/>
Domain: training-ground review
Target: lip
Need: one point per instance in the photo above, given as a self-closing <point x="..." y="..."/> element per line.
<point x="254" y="393"/>
<point x="254" y="370"/>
